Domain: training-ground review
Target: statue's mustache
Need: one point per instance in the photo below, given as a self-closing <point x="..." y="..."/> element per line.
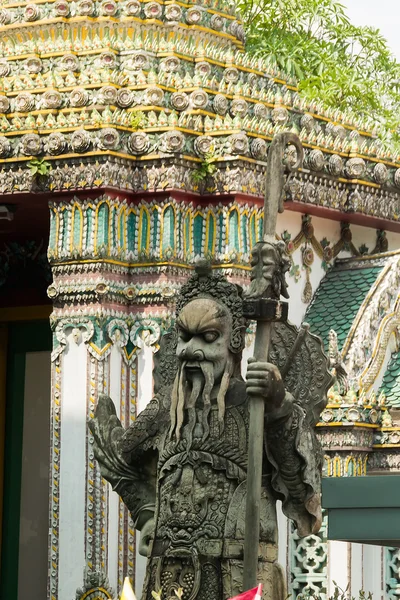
<point x="184" y="397"/>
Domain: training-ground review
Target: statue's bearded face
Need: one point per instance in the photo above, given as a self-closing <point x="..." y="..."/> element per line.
<point x="206" y="363"/>
<point x="204" y="330"/>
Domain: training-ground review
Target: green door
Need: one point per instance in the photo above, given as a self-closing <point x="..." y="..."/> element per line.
<point x="29" y="344"/>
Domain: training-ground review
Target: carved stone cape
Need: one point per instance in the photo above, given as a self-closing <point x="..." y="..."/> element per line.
<point x="188" y="498"/>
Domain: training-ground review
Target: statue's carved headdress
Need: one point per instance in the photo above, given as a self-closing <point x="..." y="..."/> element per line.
<point x="206" y="284"/>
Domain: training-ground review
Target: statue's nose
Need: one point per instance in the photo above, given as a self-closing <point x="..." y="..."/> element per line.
<point x="190" y="354"/>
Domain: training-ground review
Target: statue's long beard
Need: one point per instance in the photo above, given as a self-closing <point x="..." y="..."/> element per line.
<point x="184" y="398"/>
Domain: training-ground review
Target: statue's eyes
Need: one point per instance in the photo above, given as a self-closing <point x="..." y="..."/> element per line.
<point x="210" y="336"/>
<point x="184" y="335"/>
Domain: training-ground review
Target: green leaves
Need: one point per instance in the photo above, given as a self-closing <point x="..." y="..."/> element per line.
<point x="344" y="66"/>
<point x="138" y="120"/>
<point x="39" y="167"/>
<point x="206" y="168"/>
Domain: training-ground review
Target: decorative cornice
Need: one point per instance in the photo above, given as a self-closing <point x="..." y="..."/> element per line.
<point x="127" y="332"/>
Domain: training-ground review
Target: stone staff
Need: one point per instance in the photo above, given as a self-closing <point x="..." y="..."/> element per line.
<point x="263" y="304"/>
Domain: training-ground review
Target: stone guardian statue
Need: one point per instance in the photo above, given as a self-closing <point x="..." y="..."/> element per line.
<point x="181" y="467"/>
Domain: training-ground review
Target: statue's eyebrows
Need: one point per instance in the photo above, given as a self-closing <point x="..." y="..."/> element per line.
<point x="182" y="323"/>
<point x="208" y="322"/>
<point x="199" y="323"/>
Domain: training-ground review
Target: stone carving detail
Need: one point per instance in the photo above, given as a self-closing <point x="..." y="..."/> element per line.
<point x="335" y="165"/>
<point x="396" y="178"/>
<point x="220" y="104"/>
<point x="316" y="160"/>
<point x="95" y="587"/>
<point x="79" y="97"/>
<point x="199" y="99"/>
<point x="138" y="143"/>
<point x="80" y="140"/>
<point x="355" y="168"/>
<point x="109" y="139"/>
<point x="5" y="146"/>
<point x="31" y="144"/>
<point x="5" y="68"/>
<point x="125" y="97"/>
<point x="380" y="173"/>
<point x="55" y="144"/>
<point x="204" y="145"/>
<point x="258" y="148"/>
<point x="173" y="12"/>
<point x="392" y="573"/>
<point x="25" y="102"/>
<point x="180" y="100"/>
<point x="52" y="99"/>
<point x="172" y="141"/>
<point x="4" y="104"/>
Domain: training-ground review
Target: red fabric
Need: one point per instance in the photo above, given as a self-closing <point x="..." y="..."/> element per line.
<point x="250" y="594"/>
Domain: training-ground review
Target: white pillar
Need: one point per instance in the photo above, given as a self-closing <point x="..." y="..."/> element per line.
<point x="72" y="468"/>
<point x="356" y="569"/>
<point x="338" y="566"/>
<point x="373" y="575"/>
<point x="113" y="498"/>
<point x="91" y="529"/>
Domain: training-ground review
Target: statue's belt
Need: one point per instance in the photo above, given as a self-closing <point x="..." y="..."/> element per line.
<point x="268" y="552"/>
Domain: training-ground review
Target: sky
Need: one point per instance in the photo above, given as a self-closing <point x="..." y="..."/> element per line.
<point x="383" y="14"/>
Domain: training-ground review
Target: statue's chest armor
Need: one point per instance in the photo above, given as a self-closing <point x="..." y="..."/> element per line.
<point x="194" y="501"/>
<point x="201" y="487"/>
<point x="197" y="483"/>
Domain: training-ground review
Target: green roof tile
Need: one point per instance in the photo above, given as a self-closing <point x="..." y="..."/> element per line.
<point x="337" y="300"/>
<point x="391" y="381"/>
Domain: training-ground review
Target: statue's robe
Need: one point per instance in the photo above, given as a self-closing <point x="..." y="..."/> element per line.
<point x="197" y="492"/>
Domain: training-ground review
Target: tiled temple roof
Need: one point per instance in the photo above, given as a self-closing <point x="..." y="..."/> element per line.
<point x="338" y="298"/>
<point x="391" y="381"/>
<point x="75" y="75"/>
